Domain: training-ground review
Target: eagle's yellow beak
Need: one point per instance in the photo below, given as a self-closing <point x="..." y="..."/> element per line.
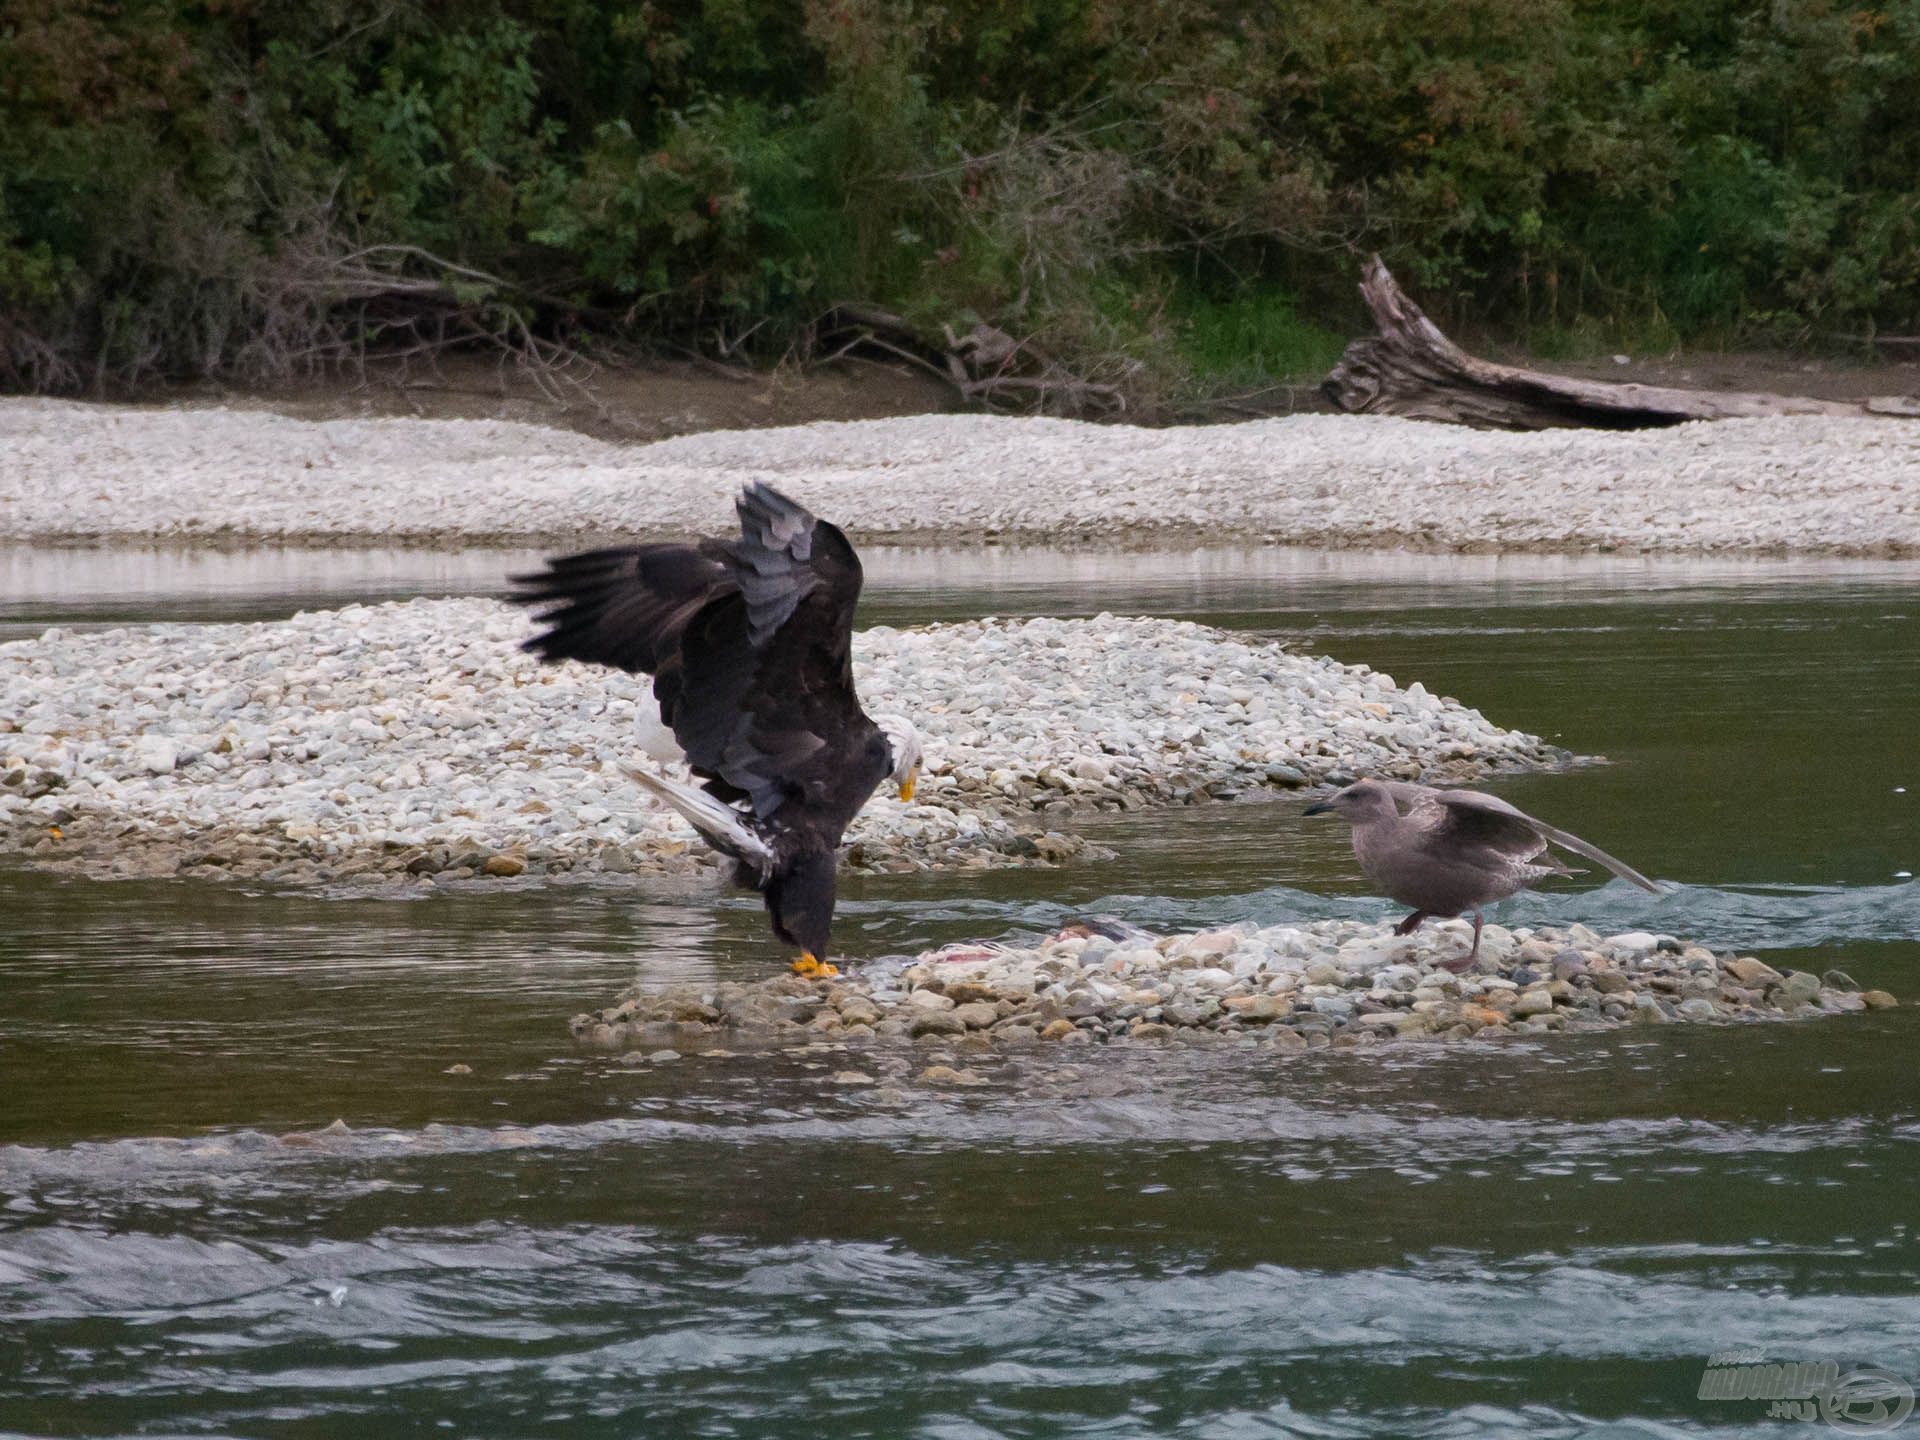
<point x="906" y="785"/>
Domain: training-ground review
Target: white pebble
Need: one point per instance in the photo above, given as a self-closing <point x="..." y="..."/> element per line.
<point x="1793" y="483"/>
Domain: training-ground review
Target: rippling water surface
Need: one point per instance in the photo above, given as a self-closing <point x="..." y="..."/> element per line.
<point x="1547" y="1237"/>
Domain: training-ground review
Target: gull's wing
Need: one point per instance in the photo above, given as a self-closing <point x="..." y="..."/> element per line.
<point x="1496" y="829"/>
<point x="1472" y="813"/>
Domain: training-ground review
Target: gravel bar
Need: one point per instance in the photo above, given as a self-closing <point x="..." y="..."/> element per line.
<point x="413" y="741"/>
<point x="1333" y="983"/>
<point x="1813" y="485"/>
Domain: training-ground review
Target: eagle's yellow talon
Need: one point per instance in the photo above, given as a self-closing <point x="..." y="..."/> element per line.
<point x="811" y="967"/>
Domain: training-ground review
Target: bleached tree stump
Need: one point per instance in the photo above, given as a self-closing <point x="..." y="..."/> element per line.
<point x="1408" y="367"/>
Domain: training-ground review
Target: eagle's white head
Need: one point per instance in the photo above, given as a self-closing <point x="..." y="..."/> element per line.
<point x="903" y="746"/>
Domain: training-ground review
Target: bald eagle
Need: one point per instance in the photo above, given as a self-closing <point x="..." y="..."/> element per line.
<point x="749" y="643"/>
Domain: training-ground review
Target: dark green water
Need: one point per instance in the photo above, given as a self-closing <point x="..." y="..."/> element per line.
<point x="1542" y="1238"/>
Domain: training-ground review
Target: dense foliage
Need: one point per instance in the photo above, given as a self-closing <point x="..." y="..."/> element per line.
<point x="1168" y="192"/>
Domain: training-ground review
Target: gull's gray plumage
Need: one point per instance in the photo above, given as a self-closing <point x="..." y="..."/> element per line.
<point x="1449" y="852"/>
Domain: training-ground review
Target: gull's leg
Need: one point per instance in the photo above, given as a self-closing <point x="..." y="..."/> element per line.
<point x="1410" y="924"/>
<point x="1473" y="954"/>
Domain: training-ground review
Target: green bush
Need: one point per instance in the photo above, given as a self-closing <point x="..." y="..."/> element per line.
<point x="1170" y="195"/>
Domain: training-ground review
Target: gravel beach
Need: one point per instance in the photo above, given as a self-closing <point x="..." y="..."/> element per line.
<point x="74" y="473"/>
<point x="1285" y="988"/>
<point x="414" y="742"/>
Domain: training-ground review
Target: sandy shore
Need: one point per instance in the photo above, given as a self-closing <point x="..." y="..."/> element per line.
<point x="72" y="473"/>
<point x="413" y="742"/>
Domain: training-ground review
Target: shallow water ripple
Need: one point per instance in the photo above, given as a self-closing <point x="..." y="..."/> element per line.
<point x="512" y="1236"/>
<point x="607" y="1325"/>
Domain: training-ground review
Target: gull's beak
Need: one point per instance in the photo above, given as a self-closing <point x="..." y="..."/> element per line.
<point x="906" y="785"/>
<point x="1319" y="807"/>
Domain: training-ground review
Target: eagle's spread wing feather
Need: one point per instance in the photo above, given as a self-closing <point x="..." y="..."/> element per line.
<point x="772" y="559"/>
<point x="750" y="643"/>
<point x="626" y="607"/>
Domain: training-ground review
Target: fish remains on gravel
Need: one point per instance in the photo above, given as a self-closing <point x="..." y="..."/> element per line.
<point x="749" y="642"/>
<point x="1446" y="852"/>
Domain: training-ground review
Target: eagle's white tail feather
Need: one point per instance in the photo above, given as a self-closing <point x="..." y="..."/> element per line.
<point x="719" y="822"/>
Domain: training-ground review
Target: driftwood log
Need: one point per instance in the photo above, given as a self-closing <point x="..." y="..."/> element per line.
<point x="1410" y="368"/>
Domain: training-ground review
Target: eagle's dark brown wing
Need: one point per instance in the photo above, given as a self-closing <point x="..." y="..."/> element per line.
<point x="749" y="642"/>
<point x="626" y="607"/>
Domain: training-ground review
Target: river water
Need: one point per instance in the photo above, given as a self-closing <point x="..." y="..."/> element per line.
<point x="1548" y="1237"/>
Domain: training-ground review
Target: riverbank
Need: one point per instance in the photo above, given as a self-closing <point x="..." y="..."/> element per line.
<point x="1816" y="486"/>
<point x="414" y="743"/>
<point x="1332" y="983"/>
